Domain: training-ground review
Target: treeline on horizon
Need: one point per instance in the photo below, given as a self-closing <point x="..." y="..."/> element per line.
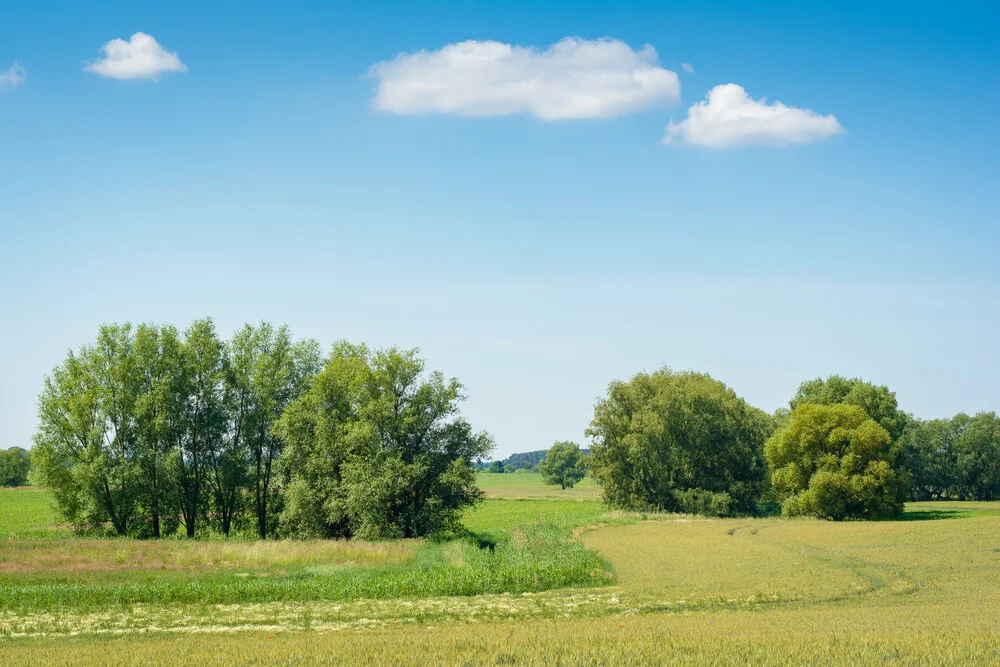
<point x="153" y="431"/>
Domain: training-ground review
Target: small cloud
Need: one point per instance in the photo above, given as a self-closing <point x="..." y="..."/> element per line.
<point x="12" y="77"/>
<point x="575" y="78"/>
<point x="687" y="67"/>
<point x="730" y="117"/>
<point x="141" y="57"/>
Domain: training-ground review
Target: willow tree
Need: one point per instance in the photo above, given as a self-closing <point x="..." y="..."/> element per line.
<point x="835" y="462"/>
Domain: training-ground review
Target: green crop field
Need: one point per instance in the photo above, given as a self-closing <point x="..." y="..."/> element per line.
<point x="528" y="485"/>
<point x="554" y="580"/>
<point x="28" y="511"/>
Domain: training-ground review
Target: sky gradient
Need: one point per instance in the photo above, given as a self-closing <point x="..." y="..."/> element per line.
<point x="535" y="258"/>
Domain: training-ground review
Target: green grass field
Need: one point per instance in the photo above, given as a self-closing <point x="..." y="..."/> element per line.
<point x="28" y="512"/>
<point x="684" y="590"/>
<point x="529" y="486"/>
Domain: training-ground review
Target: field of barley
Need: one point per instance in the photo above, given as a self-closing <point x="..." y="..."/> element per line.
<point x="543" y="577"/>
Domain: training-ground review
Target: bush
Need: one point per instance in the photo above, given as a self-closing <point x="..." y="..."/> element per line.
<point x="700" y="501"/>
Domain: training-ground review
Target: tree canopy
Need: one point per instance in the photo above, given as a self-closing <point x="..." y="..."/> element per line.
<point x="679" y="442"/>
<point x="376" y="449"/>
<point x="835" y="462"/>
<point x="563" y="465"/>
<point x="149" y="427"/>
<point x="876" y="400"/>
<point x="14" y="466"/>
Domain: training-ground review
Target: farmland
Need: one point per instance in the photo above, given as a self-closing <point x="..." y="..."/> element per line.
<point x="925" y="589"/>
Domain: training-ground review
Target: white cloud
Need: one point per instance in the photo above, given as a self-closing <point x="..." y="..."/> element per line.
<point x="575" y="78"/>
<point x="11" y="77"/>
<point x="141" y="57"/>
<point x="687" y="67"/>
<point x="730" y="117"/>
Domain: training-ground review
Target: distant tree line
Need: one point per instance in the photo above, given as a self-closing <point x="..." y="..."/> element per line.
<point x="150" y="430"/>
<point x="520" y="461"/>
<point x="684" y="442"/>
<point x="953" y="459"/>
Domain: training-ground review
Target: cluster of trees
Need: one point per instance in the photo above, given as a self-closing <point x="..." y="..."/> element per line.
<point x="150" y="429"/>
<point x="14" y="466"/>
<point x="522" y="461"/>
<point x="842" y="449"/>
<point x="953" y="459"/>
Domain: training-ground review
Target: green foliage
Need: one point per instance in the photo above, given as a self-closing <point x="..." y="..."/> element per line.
<point x="377" y="450"/>
<point x="929" y="453"/>
<point x="953" y="458"/>
<point x="876" y="400"/>
<point x="835" y="462"/>
<point x="663" y="435"/>
<point x="978" y="457"/>
<point x="563" y="465"/>
<point x="496" y="467"/>
<point x="15" y="463"/>
<point x="148" y="428"/>
<point x="706" y="503"/>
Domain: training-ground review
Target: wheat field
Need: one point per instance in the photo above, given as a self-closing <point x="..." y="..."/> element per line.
<point x="675" y="589"/>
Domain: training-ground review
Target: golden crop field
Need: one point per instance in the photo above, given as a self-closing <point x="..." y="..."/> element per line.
<point x="679" y="590"/>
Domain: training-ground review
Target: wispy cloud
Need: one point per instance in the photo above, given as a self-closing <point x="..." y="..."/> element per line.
<point x="141" y="57"/>
<point x="12" y="77"/>
<point x="730" y="117"/>
<point x="574" y="78"/>
<point x="687" y="67"/>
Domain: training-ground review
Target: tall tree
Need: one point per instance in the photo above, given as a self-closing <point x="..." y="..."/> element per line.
<point x="199" y="376"/>
<point x="272" y="370"/>
<point x="87" y="445"/>
<point x="376" y="449"/>
<point x="229" y="457"/>
<point x="158" y="411"/>
<point x="679" y="442"/>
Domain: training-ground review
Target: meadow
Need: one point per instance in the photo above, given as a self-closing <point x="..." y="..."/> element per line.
<point x="542" y="578"/>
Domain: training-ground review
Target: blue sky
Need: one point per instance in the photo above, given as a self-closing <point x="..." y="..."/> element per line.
<point x="535" y="258"/>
